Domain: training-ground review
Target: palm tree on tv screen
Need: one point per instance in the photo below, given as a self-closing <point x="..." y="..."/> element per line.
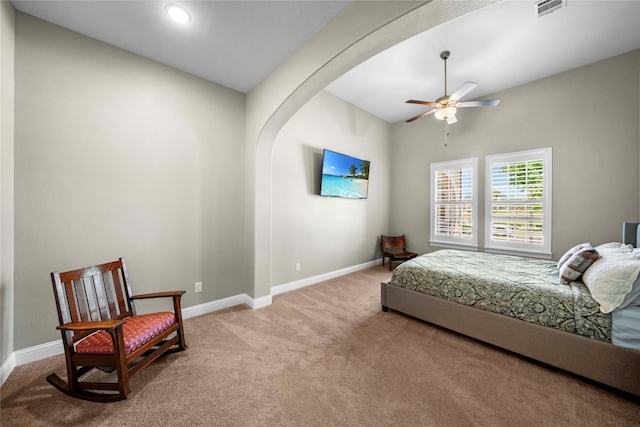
<point x="364" y="169"/>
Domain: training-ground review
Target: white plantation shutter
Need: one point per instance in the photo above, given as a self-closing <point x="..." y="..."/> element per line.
<point x="454" y="203"/>
<point x="518" y="202"/>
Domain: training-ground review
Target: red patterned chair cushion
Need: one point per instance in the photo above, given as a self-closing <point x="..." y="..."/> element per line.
<point x="137" y="330"/>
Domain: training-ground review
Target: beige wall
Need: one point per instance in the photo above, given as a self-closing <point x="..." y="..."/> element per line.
<point x="116" y="156"/>
<point x="7" y="30"/>
<point x="326" y="234"/>
<point x="80" y="99"/>
<point x="589" y="116"/>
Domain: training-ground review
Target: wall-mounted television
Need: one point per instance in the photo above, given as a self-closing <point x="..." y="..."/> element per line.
<point x="344" y="176"/>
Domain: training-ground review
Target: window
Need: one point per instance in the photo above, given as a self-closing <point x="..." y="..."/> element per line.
<point x="518" y="202"/>
<point x="454" y="206"/>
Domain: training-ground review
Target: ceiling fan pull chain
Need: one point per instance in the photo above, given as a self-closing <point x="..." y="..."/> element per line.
<point x="446" y="132"/>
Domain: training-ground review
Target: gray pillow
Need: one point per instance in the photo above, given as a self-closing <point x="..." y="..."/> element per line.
<point x="572" y="268"/>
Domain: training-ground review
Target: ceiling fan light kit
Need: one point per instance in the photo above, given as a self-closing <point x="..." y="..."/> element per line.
<point x="445" y="113"/>
<point x="446" y="106"/>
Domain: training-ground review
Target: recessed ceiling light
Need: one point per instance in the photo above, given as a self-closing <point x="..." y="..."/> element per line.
<point x="178" y="13"/>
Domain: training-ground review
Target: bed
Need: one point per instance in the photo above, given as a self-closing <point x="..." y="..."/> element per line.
<point x="553" y="312"/>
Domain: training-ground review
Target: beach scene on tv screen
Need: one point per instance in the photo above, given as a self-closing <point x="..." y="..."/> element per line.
<point x="344" y="176"/>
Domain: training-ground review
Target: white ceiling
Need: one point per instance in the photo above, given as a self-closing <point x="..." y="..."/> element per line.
<point x="233" y="43"/>
<point x="498" y="47"/>
<point x="238" y="43"/>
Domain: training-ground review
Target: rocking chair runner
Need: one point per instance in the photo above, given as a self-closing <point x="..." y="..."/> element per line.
<point x="100" y="329"/>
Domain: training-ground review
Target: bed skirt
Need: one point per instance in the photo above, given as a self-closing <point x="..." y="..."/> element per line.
<point x="599" y="361"/>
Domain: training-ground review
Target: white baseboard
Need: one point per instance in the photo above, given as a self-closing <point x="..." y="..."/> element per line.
<point x="210" y="307"/>
<point x="7" y="367"/>
<point x="286" y="287"/>
<point x="28" y="355"/>
<point x="54" y="348"/>
<point x="39" y="352"/>
<point x="260" y="302"/>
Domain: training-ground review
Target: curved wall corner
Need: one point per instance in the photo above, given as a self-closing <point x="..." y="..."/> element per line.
<point x="359" y="32"/>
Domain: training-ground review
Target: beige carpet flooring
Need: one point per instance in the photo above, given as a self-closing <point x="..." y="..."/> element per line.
<point x="326" y="355"/>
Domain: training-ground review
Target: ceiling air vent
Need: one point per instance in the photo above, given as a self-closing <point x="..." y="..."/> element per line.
<point x="544" y="7"/>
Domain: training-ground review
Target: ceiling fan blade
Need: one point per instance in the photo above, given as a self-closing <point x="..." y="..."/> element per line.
<point x="464" y="89"/>
<point x="452" y="119"/>
<point x="414" y="101"/>
<point x="421" y="115"/>
<point x="480" y="103"/>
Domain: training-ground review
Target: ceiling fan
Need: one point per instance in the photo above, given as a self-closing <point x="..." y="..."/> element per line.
<point x="447" y="106"/>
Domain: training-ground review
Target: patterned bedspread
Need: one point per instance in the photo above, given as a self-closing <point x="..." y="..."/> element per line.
<point x="525" y="288"/>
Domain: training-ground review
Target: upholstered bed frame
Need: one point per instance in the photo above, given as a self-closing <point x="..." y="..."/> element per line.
<point x="605" y="363"/>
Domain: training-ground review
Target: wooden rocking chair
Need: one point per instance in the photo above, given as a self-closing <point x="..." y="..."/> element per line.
<point x="100" y="329"/>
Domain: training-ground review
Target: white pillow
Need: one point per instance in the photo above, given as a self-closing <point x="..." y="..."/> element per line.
<point x="609" y="245"/>
<point x="622" y="249"/>
<point x="612" y="245"/>
<point x="610" y="279"/>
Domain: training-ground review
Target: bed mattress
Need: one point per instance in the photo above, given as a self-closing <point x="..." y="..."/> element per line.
<point x="524" y="288"/>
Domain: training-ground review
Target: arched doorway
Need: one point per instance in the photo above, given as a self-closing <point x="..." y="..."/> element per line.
<point x="334" y="51"/>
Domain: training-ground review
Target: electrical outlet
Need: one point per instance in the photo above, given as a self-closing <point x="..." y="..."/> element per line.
<point x="297" y="266"/>
<point x="198" y="287"/>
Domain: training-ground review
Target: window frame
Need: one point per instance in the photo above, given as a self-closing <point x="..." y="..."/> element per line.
<point x="454" y="241"/>
<point x="542" y="250"/>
